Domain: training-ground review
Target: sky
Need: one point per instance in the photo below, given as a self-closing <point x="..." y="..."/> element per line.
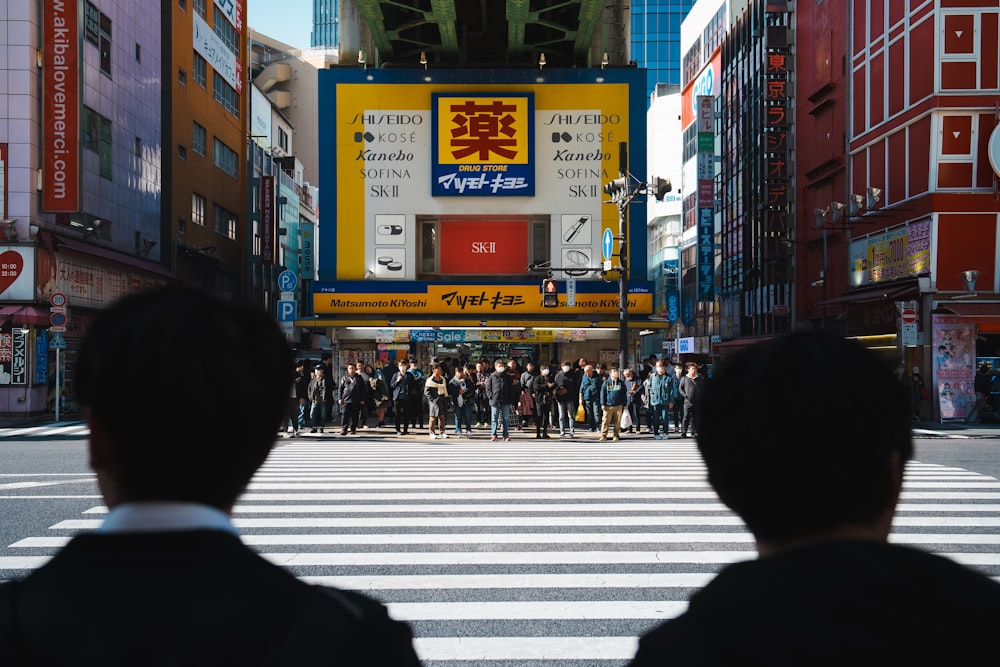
<point x="288" y="21"/>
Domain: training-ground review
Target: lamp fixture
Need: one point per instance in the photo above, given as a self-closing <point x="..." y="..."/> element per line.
<point x="92" y="228"/>
<point x="873" y="197"/>
<point x="604" y="60"/>
<point x="423" y="59"/>
<point x="856" y="202"/>
<point x="361" y="59"/>
<point x="541" y="61"/>
<point x="820" y="216"/>
<point x="9" y="229"/>
<point x="969" y="278"/>
<point x="147" y="246"/>
<point x="837" y="210"/>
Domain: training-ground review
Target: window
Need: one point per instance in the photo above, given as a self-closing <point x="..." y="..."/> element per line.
<point x="199" y="69"/>
<point x="181" y="225"/>
<point x="182" y="152"/>
<point x="225" y="94"/>
<point x="283" y="140"/>
<point x="225" y="30"/>
<point x="138" y="53"/>
<point x="198" y="135"/>
<point x="197" y="209"/>
<point x="182" y="77"/>
<point x="225" y="158"/>
<point x="199" y="6"/>
<point x="138" y="147"/>
<point x="105" y="44"/>
<point x="224" y="222"/>
<point x="183" y="5"/>
<point x="97" y="137"/>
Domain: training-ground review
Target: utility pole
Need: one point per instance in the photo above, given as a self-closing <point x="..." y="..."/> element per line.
<point x="623" y="190"/>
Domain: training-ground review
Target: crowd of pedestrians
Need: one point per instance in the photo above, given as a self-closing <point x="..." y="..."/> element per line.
<point x="503" y="395"/>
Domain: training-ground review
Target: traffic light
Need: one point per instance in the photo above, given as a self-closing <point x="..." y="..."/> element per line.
<point x="661" y="186"/>
<point x="550" y="293"/>
<point x="616" y="187"/>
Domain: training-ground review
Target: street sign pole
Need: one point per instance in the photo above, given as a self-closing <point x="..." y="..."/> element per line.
<point x="58" y="382"/>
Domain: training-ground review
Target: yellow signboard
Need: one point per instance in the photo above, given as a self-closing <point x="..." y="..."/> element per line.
<point x="493" y="300"/>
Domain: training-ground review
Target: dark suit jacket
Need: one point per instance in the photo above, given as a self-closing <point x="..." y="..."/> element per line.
<point x="198" y="597"/>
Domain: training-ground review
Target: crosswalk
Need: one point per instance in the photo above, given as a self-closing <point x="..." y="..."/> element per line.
<point x="558" y="554"/>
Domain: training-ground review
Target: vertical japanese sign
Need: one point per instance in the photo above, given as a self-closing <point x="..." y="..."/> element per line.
<point x="776" y="129"/>
<point x="706" y="199"/>
<point x="267" y="226"/>
<point x="13" y="355"/>
<point x="482" y="145"/>
<point x="307" y="267"/>
<point x="61" y="107"/>
<point x="954" y="349"/>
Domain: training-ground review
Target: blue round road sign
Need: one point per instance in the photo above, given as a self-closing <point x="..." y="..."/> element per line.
<point x="287" y="280"/>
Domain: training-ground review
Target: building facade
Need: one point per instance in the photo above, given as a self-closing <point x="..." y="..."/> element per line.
<point x="457" y="191"/>
<point x="204" y="129"/>
<point x="81" y="168"/>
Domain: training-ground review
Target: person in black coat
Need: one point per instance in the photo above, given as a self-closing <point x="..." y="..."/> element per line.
<point x="500" y="393"/>
<point x="352" y="392"/>
<point x="400" y="386"/>
<point x="818" y="487"/>
<point x="543" y="388"/>
<point x="167" y="580"/>
<point x="565" y="397"/>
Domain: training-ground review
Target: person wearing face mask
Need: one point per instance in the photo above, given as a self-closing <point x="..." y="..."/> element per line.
<point x="612" y="403"/>
<point x="565" y="395"/>
<point x="661" y="399"/>
<point x="499" y="391"/>
<point x="543" y="388"/>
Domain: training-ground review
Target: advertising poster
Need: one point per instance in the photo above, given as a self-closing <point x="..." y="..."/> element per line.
<point x="954" y="348"/>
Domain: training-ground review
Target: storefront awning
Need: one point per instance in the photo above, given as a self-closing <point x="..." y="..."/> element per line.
<point x="972" y="309"/>
<point x="92" y="250"/>
<point x="25" y="315"/>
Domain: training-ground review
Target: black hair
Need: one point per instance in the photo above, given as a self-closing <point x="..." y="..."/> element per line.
<point x="799" y="434"/>
<point x="159" y="367"/>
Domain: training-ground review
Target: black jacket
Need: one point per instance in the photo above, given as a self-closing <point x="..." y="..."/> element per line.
<point x="499" y="390"/>
<point x="196" y="597"/>
<point x="834" y="603"/>
<point x="567" y="381"/>
<point x="353" y="389"/>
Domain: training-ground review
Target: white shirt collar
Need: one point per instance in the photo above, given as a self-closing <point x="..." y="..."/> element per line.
<point x="149" y="517"/>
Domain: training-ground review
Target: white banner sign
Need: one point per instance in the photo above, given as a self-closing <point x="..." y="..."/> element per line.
<point x="214" y="50"/>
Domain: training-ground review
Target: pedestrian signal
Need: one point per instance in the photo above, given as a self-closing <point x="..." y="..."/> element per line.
<point x="550" y="293"/>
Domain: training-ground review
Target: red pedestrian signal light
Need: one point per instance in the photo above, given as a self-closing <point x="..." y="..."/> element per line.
<point x="550" y="293"/>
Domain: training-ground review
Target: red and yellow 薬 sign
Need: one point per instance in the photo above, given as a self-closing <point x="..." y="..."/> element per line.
<point x="482" y="145"/>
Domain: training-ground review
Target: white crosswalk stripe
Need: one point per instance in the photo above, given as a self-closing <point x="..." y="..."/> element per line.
<point x="560" y="554"/>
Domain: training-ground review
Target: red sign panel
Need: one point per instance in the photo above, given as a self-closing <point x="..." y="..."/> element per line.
<point x="484" y="247"/>
<point x="267" y="226"/>
<point x="60" y="107"/>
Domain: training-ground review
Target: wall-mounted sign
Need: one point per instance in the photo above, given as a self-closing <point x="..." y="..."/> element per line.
<point x="483" y="145"/>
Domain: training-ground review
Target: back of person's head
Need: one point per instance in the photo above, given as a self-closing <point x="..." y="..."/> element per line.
<point x="190" y="390"/>
<point x="804" y="433"/>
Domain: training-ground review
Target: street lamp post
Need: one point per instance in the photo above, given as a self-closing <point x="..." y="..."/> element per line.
<point x="623" y="190"/>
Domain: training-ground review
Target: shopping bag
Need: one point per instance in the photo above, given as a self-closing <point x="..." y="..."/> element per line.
<point x="581" y="414"/>
<point x="626" y="420"/>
